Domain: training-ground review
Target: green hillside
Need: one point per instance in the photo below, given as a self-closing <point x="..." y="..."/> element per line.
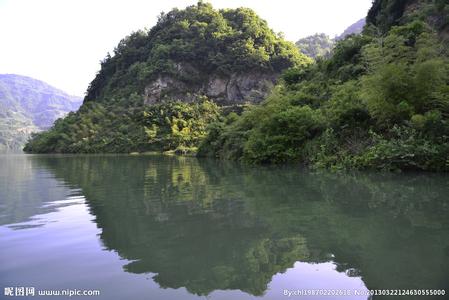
<point x="381" y="100"/>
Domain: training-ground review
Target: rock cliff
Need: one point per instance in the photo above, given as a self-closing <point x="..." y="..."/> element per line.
<point x="224" y="90"/>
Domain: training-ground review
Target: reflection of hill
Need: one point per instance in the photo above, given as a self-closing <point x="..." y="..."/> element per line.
<point x="25" y="189"/>
<point x="163" y="215"/>
<point x="208" y="225"/>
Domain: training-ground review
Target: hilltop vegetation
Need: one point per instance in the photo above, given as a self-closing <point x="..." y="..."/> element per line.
<point x="381" y="101"/>
<point x="197" y="55"/>
<point x="28" y="105"/>
<point x="220" y="42"/>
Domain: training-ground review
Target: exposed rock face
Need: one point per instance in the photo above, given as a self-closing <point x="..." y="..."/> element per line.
<point x="250" y="87"/>
<point x="217" y="87"/>
<point x="157" y="89"/>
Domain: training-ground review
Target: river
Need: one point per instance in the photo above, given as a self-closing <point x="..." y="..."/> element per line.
<point x="165" y="227"/>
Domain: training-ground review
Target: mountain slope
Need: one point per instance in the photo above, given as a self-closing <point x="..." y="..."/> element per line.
<point x="197" y="55"/>
<point x="387" y="13"/>
<point x="355" y="28"/>
<point x="28" y="105"/>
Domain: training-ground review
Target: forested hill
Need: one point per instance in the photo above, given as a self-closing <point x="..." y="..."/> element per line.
<point x="230" y="56"/>
<point x="198" y="56"/>
<point x="28" y="105"/>
<point x="380" y="101"/>
<point x="315" y="46"/>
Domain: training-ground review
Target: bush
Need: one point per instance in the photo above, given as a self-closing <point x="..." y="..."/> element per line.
<point x="280" y="137"/>
<point x="405" y="149"/>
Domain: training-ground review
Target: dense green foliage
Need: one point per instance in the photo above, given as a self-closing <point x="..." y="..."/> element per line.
<point x="206" y="43"/>
<point x="317" y="45"/>
<point x="29" y="105"/>
<point x="381" y="101"/>
<point x="387" y="13"/>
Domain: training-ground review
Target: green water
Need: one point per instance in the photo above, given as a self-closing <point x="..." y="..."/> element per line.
<point x="154" y="227"/>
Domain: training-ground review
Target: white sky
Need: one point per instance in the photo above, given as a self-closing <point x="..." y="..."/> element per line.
<point x="62" y="41"/>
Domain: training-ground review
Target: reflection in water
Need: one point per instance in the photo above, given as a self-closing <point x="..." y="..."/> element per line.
<point x="25" y="188"/>
<point x="208" y="226"/>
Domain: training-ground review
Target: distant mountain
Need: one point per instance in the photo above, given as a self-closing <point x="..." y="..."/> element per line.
<point x="321" y="45"/>
<point x="28" y="105"/>
<point x="355" y="28"/>
<point x="317" y="45"/>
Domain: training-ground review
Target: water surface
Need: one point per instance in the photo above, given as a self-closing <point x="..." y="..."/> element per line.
<point x="155" y="227"/>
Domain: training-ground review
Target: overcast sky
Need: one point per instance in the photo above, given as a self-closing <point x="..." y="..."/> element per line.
<point x="62" y="41"/>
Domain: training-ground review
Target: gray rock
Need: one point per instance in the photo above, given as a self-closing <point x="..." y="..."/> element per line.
<point x="251" y="87"/>
<point x="216" y="87"/>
